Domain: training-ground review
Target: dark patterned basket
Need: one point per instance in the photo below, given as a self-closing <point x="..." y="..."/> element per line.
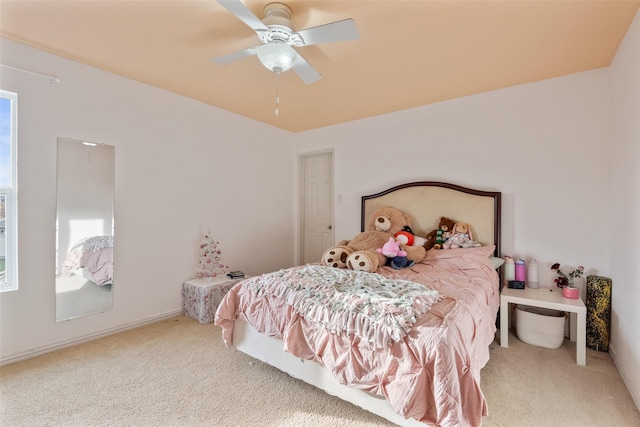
<point x="598" y="312"/>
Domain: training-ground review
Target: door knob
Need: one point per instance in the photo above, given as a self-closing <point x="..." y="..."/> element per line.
<point x="329" y="227"/>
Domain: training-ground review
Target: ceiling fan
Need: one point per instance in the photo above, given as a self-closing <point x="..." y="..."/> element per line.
<point x="278" y="37"/>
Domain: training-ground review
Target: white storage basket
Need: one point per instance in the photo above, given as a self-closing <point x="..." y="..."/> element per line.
<point x="540" y="326"/>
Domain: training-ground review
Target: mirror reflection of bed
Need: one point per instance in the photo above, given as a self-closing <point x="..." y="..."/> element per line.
<point x="84" y="285"/>
<point x="84" y="228"/>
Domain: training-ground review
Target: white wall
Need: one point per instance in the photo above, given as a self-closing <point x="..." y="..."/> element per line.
<point x="544" y="145"/>
<point x="181" y="167"/>
<point x="625" y="208"/>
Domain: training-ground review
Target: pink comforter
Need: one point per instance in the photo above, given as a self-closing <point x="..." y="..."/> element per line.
<point x="433" y="373"/>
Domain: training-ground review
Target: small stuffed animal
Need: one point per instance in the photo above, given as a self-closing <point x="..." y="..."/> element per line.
<point x="460" y="237"/>
<point x="396" y="257"/>
<point x="436" y="238"/>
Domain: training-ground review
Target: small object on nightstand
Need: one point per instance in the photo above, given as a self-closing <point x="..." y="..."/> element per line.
<point x="210" y="264"/>
<point x="235" y="275"/>
<point x="509" y="269"/>
<point x="516" y="284"/>
<point x="532" y="274"/>
<point x="570" y="292"/>
<point x="520" y="270"/>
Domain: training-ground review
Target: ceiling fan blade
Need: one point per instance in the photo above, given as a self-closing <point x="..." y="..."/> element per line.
<point x="329" y="33"/>
<point x="305" y="71"/>
<point x="225" y="59"/>
<point x="244" y="14"/>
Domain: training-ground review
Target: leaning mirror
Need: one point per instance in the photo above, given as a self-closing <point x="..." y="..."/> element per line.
<point x="84" y="228"/>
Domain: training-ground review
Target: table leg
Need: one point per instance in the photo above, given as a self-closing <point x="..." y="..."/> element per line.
<point x="504" y="322"/>
<point x="572" y="326"/>
<point x="581" y="341"/>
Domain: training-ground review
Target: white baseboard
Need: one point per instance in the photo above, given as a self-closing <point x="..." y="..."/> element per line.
<point x="58" y="346"/>
<point x="634" y="389"/>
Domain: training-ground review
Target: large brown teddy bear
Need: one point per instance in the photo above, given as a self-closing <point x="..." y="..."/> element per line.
<point x="360" y="254"/>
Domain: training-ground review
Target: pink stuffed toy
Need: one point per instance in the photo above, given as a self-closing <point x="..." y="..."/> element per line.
<point x="391" y="249"/>
<point x="396" y="257"/>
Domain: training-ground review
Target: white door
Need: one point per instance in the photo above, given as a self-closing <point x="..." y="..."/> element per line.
<point x="317" y="216"/>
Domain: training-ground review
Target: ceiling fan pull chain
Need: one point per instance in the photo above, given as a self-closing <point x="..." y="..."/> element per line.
<point x="277" y="71"/>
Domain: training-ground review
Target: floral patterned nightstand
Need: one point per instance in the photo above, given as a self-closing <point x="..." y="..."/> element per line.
<point x="200" y="297"/>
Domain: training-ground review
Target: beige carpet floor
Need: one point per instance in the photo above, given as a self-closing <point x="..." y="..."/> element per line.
<point x="178" y="373"/>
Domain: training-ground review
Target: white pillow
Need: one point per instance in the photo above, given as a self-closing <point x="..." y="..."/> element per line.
<point x="497" y="262"/>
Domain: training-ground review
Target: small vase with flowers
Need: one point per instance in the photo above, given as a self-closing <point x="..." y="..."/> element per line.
<point x="566" y="281"/>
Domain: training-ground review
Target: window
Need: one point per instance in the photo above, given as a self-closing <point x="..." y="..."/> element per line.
<point x="8" y="205"/>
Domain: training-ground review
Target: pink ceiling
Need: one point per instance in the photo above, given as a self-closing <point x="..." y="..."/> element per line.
<point x="409" y="53"/>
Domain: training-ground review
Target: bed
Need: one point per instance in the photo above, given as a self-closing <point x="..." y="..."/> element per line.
<point x="416" y="367"/>
<point x="91" y="258"/>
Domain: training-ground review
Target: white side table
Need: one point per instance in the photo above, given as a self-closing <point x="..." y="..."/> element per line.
<point x="546" y="298"/>
<point x="201" y="297"/>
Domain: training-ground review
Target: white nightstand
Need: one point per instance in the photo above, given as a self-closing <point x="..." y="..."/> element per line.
<point x="546" y="298"/>
<point x="201" y="297"/>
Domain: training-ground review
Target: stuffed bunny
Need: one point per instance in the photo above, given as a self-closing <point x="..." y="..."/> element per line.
<point x="460" y="237"/>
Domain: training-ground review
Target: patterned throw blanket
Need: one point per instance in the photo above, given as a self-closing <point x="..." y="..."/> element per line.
<point x="371" y="306"/>
<point x="95" y="243"/>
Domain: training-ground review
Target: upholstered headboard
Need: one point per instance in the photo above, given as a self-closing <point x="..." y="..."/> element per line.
<point x="425" y="202"/>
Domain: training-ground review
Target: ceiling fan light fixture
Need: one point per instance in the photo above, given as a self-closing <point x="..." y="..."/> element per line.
<point x="277" y="55"/>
